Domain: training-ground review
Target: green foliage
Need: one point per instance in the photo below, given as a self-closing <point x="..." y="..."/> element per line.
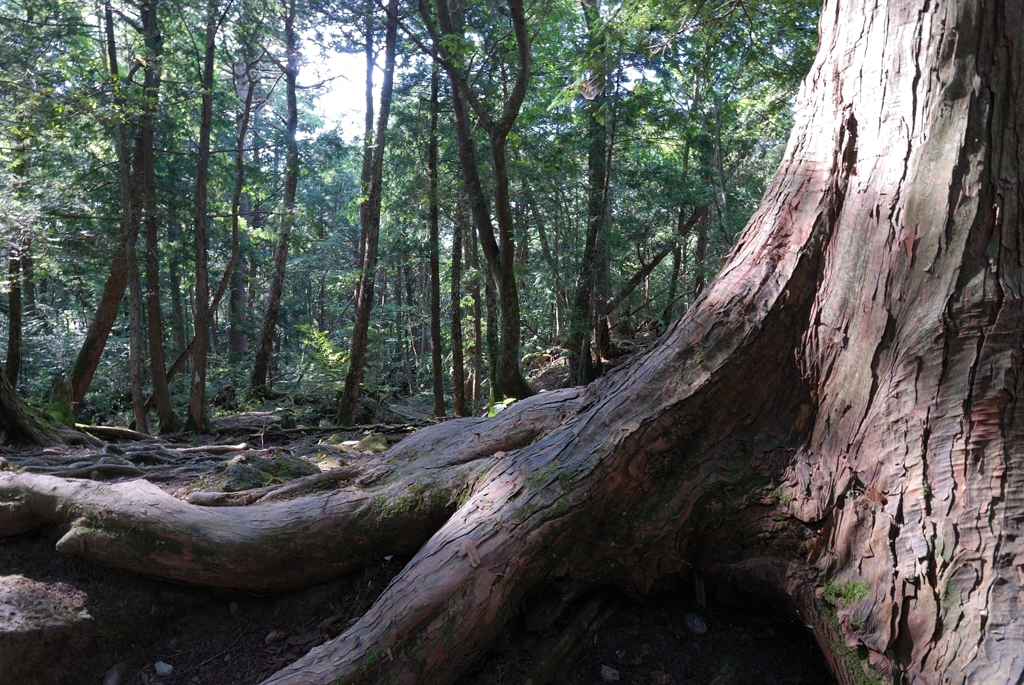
<point x="695" y="107"/>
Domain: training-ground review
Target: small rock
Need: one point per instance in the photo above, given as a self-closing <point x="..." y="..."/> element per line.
<point x="242" y="477"/>
<point x="115" y="676"/>
<point x="695" y="624"/>
<point x="162" y="668"/>
<point x="227" y="658"/>
<point x="374" y="442"/>
<point x="609" y="674"/>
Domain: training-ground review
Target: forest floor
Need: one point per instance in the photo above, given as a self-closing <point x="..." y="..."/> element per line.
<point x="65" y="620"/>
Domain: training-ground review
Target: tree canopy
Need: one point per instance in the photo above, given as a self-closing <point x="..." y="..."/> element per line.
<point x="689" y="106"/>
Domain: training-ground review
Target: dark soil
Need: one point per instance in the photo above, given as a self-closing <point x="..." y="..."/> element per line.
<point x="224" y="638"/>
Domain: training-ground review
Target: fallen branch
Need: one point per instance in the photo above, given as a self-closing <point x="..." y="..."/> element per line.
<point x="271" y="492"/>
<point x="115" y="432"/>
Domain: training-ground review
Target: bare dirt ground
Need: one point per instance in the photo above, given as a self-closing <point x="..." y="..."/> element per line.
<point x="64" y="620"/>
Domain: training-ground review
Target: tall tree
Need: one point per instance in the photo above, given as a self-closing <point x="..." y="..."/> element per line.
<point x="369" y="220"/>
<point x="435" y="259"/>
<point x="198" y="416"/>
<point x="448" y="39"/>
<point x="581" y="313"/>
<point x="145" y="173"/>
<point x="130" y="214"/>
<point x="460" y="405"/>
<point x="258" y="382"/>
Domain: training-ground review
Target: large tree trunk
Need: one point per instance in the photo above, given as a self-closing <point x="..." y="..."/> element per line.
<point x="833" y="426"/>
<point x="15" y="426"/>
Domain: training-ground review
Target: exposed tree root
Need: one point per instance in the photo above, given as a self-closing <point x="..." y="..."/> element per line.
<point x="270" y="493"/>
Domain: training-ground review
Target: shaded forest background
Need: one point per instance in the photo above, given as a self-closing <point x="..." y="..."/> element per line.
<point x="645" y="138"/>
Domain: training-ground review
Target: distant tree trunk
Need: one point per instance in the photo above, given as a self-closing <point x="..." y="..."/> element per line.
<point x="473" y="259"/>
<point x="436" y="370"/>
<point x="238" y="340"/>
<point x="28" y="277"/>
<point x="581" y="314"/>
<point x="700" y="256"/>
<point x="14" y="324"/>
<point x="232" y="274"/>
<point x="144" y="146"/>
<point x="177" y="308"/>
<point x="258" y="383"/>
<point x="499" y="251"/>
<point x="460" y="406"/>
<point x="369" y="219"/>
<point x="668" y="313"/>
<point x="131" y="208"/>
<point x="198" y="418"/>
<point x="551" y="260"/>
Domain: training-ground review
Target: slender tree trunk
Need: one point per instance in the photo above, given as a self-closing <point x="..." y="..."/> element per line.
<point x="177" y="308"/>
<point x="460" y="406"/>
<point x="365" y="174"/>
<point x="198" y="418"/>
<point x="700" y="256"/>
<point x="14" y="325"/>
<point x="369" y="215"/>
<point x="258" y="384"/>
<point x="668" y="313"/>
<point x="28" y="277"/>
<point x="473" y="259"/>
<point x="499" y="251"/>
<point x="581" y="314"/>
<point x="89" y="354"/>
<point x="436" y="370"/>
<point x="131" y="209"/>
<point x="144" y="145"/>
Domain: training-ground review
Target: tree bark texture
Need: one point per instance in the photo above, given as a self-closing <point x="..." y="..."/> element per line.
<point x="834" y="425"/>
<point x="15" y="426"/>
<point x="369" y="217"/>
